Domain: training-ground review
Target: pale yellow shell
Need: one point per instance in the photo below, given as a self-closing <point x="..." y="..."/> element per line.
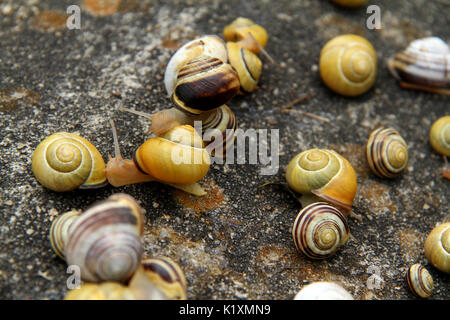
<point x="419" y="280"/>
<point x="348" y="65"/>
<point x="59" y="231"/>
<point x="245" y="32"/>
<point x="323" y="291"/>
<point x="440" y="135"/>
<point x="437" y="247"/>
<point x="247" y="65"/>
<point x="102" y="291"/>
<point x="350" y="3"/>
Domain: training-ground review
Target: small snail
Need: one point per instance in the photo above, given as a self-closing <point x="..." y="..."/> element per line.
<point x="59" y="231"/>
<point x="348" y="65"/>
<point x="247" y="65"/>
<point x="319" y="230"/>
<point x="437" y="247"/>
<point x="105" y="240"/>
<point x="387" y="153"/>
<point x="350" y="3"/>
<point x="320" y="174"/>
<point x="101" y="291"/>
<point x="162" y="273"/>
<point x="246" y="34"/>
<point x="419" y="280"/>
<point x="66" y="161"/>
<point x="423" y="65"/>
<point x="440" y="136"/>
<point x="323" y="291"/>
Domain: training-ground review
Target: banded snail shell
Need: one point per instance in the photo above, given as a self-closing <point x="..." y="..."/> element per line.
<point x="245" y="32"/>
<point x="387" y="153"/>
<point x="437" y="247"/>
<point x="324" y="174"/>
<point x="105" y="241"/>
<point x="66" y="161"/>
<point x="419" y="280"/>
<point x="102" y="291"/>
<point x="59" y="231"/>
<point x="348" y="65"/>
<point x="323" y="291"/>
<point x="319" y="230"/>
<point x="440" y="135"/>
<point x="247" y="65"/>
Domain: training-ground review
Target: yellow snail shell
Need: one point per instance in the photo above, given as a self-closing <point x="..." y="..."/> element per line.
<point x="245" y="32"/>
<point x="440" y="135"/>
<point x="348" y="65"/>
<point x="66" y="161"/>
<point x="101" y="291"/>
<point x="419" y="280"/>
<point x="437" y="247"/>
<point x="325" y="174"/>
<point x="319" y="230"/>
<point x="387" y="153"/>
<point x="105" y="241"/>
<point x="59" y="231"/>
<point x="247" y="65"/>
<point x="323" y="291"/>
<point x="350" y="3"/>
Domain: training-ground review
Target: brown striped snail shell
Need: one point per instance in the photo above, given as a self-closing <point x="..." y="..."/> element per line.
<point x="105" y="241"/>
<point x="323" y="291"/>
<point x="319" y="230"/>
<point x="66" y="161"/>
<point x="437" y="247"/>
<point x="419" y="280"/>
<point x="386" y="153"/>
<point x="59" y="231"/>
<point x="247" y="65"/>
<point x="246" y="34"/>
<point x="440" y="135"/>
<point x="101" y="291"/>
<point x="350" y="3"/>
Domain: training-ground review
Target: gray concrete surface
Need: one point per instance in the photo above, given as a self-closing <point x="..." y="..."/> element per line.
<point x="236" y="243"/>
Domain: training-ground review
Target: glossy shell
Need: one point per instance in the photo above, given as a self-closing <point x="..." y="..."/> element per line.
<point x="247" y="65"/>
<point x="105" y="241"/>
<point x="440" y="136"/>
<point x="348" y="65"/>
<point x="65" y="161"/>
<point x="102" y="291"/>
<point x="386" y="153"/>
<point x="325" y="174"/>
<point x="59" y="231"/>
<point x="437" y="247"/>
<point x="425" y="62"/>
<point x="319" y="230"/>
<point x="176" y="157"/>
<point x="323" y="291"/>
<point x="419" y="281"/>
<point x="350" y="3"/>
<point x="244" y="32"/>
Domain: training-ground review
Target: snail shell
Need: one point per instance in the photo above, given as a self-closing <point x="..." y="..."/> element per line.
<point x="437" y="247"/>
<point x="440" y="135"/>
<point x="247" y="65"/>
<point x="323" y="291"/>
<point x="425" y="62"/>
<point x="244" y="32"/>
<point x="348" y="65"/>
<point x="419" y="280"/>
<point x="66" y="161"/>
<point x="350" y="3"/>
<point x="59" y="231"/>
<point x="105" y="241"/>
<point x="387" y="153"/>
<point x="178" y="156"/>
<point x="325" y="174"/>
<point x="102" y="291"/>
<point x="319" y="230"/>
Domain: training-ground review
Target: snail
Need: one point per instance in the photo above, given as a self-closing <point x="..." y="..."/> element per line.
<point x="350" y="3"/>
<point x="319" y="230"/>
<point x="102" y="291"/>
<point x="440" y="136"/>
<point x="423" y="65"/>
<point x="246" y="34"/>
<point x="348" y="65"/>
<point x="387" y="153"/>
<point x="66" y="161"/>
<point x="177" y="158"/>
<point x="59" y="231"/>
<point x="419" y="280"/>
<point x="437" y="247"/>
<point x="321" y="174"/>
<point x="162" y="273"/>
<point x="105" y="240"/>
<point x="323" y="291"/>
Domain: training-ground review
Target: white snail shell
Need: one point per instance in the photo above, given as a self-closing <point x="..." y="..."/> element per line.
<point x="59" y="230"/>
<point x="323" y="291"/>
<point x="419" y="280"/>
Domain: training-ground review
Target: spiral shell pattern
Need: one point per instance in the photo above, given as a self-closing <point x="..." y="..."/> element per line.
<point x="440" y="135"/>
<point x="219" y="131"/>
<point x="437" y="247"/>
<point x="323" y="291"/>
<point x="387" y="153"/>
<point x="348" y="65"/>
<point x="319" y="230"/>
<point x="105" y="241"/>
<point x="247" y="65"/>
<point x="419" y="280"/>
<point x="65" y="161"/>
<point x="59" y="231"/>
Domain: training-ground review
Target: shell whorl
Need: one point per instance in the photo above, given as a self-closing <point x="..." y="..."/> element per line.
<point x="59" y="231"/>
<point x="419" y="280"/>
<point x="245" y="32"/>
<point x="437" y="247"/>
<point x="440" y="135"/>
<point x="247" y="65"/>
<point x="65" y="161"/>
<point x="323" y="291"/>
<point x="387" y="153"/>
<point x="319" y="230"/>
<point x="219" y="131"/>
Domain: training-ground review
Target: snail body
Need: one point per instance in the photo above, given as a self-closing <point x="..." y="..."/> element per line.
<point x="440" y="136"/>
<point x="246" y="34"/>
<point x="66" y="161"/>
<point x="437" y="247"/>
<point x="419" y="280"/>
<point x="319" y="230"/>
<point x="323" y="291"/>
<point x="350" y="3"/>
<point x="105" y="240"/>
<point x="386" y="153"/>
<point x="102" y="291"/>
<point x="59" y="231"/>
<point x="323" y="175"/>
<point x="348" y="65"/>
